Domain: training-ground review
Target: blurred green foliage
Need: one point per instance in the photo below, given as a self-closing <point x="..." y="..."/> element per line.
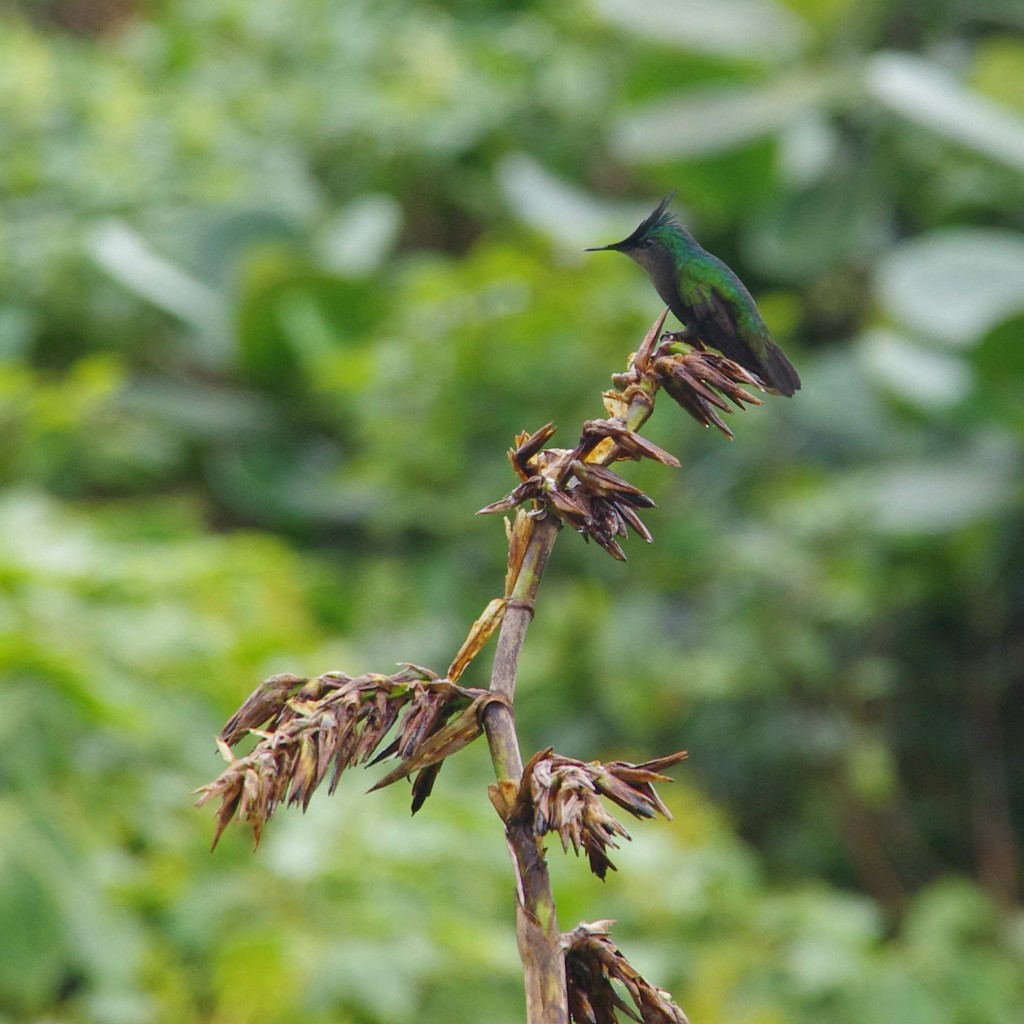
<point x="278" y="284"/>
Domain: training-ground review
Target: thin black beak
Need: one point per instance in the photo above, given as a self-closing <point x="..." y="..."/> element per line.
<point x="653" y="220"/>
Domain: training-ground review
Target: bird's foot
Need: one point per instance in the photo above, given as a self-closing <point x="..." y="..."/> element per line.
<point x="671" y="340"/>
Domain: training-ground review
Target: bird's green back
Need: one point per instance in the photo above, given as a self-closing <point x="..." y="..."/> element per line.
<point x="702" y="275"/>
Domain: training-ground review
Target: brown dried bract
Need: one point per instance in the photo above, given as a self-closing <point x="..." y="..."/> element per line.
<point x="310" y="725"/>
<point x="593" y="964"/>
<point x="569" y="483"/>
<point x="631" y="444"/>
<point x="433" y="747"/>
<point x="700" y="382"/>
<point x="480" y="632"/>
<point x="562" y="795"/>
<point x="576" y="486"/>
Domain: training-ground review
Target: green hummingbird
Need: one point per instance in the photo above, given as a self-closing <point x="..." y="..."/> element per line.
<point x="708" y="298"/>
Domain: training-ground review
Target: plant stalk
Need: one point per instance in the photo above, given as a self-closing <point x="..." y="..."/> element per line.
<point x="537" y="932"/>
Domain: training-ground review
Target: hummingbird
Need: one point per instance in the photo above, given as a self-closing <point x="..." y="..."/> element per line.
<point x="708" y="298"/>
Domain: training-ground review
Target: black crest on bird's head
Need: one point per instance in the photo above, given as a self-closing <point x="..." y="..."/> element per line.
<point x="660" y="217"/>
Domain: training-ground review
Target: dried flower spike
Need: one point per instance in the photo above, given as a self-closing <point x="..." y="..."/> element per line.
<point x="700" y="382"/>
<point x="592" y="964"/>
<point x="562" y="795"/>
<point x="319" y="727"/>
<point x="590" y="498"/>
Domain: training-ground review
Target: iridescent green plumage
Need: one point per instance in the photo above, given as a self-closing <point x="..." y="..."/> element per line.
<point x="707" y="297"/>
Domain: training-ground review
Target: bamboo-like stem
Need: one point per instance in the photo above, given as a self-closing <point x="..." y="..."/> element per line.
<point x="499" y="720"/>
<point x="537" y="933"/>
<point x="309" y="723"/>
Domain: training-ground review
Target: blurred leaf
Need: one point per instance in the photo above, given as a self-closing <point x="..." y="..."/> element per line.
<point x="564" y="212"/>
<point x="299" y="327"/>
<point x="840" y="219"/>
<point x="954" y="284"/>
<point x="936" y="498"/>
<point x="33" y="955"/>
<point x="807" y="148"/>
<point x="947" y="916"/>
<point x="362" y="974"/>
<point x="999" y="361"/>
<point x="225" y="237"/>
<point x="996" y="71"/>
<point x="923" y="92"/>
<point x="17" y="325"/>
<point x="710" y="120"/>
<point x="358" y="238"/>
<point x="921" y="375"/>
<point x="124" y="255"/>
<point x="761" y="29"/>
<point x="894" y="995"/>
<point x="824" y="14"/>
<point x="281" y="484"/>
<point x="253" y="978"/>
<point x="722" y="186"/>
<point x="872" y="771"/>
<point x="826" y="954"/>
<point x="194" y="410"/>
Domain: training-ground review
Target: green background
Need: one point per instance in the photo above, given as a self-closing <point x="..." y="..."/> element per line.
<point x="279" y="282"/>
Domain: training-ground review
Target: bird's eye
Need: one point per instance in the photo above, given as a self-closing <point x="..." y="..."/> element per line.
<point x="648" y="242"/>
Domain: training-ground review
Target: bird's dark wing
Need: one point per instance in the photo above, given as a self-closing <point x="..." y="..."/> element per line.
<point x="723" y="314"/>
<point x="715" y="313"/>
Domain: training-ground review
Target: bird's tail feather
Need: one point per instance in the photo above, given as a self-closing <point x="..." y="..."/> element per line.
<point x="778" y="372"/>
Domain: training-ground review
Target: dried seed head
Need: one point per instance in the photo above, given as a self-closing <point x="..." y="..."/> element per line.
<point x="562" y="795"/>
<point x="631" y="444"/>
<point x="580" y="490"/>
<point x="700" y="382"/>
<point x="527" y="446"/>
<point x="603" y="483"/>
<point x="266" y="702"/>
<point x="335" y="720"/>
<point x="592" y="964"/>
<point x="577" y="487"/>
